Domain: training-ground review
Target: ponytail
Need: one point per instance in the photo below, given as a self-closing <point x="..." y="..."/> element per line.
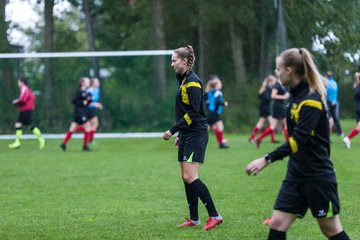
<point x="301" y="61"/>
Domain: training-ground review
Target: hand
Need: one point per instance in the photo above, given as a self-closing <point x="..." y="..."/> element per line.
<point x="99" y="106"/>
<point x="167" y="135"/>
<point x="176" y="143"/>
<point x="226" y="104"/>
<point x="256" y="166"/>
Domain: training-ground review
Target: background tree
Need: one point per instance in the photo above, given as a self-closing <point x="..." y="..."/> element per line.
<point x="48" y="47"/>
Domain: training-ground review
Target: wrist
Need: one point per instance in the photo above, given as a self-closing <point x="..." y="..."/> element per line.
<point x="268" y="159"/>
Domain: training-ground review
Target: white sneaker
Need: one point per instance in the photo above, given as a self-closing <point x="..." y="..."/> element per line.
<point x="347" y="142"/>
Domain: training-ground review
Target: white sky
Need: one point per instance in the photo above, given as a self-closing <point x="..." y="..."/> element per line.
<point x="22" y="13"/>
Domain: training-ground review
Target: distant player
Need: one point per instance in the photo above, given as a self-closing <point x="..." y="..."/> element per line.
<point x="332" y="101"/>
<point x="279" y="95"/>
<point x="310" y="181"/>
<point x="80" y="100"/>
<point x="193" y="137"/>
<point x="26" y="105"/>
<point x="356" y="130"/>
<point x="264" y="108"/>
<point x="215" y="101"/>
<point x="91" y="110"/>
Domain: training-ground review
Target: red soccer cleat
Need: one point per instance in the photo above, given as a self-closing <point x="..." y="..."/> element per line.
<point x="189" y="223"/>
<point x="267" y="221"/>
<point x="212" y="222"/>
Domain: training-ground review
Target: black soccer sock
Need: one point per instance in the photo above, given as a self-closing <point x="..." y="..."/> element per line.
<point x="340" y="236"/>
<point x="276" y="235"/>
<point x="192" y="199"/>
<point x="202" y="191"/>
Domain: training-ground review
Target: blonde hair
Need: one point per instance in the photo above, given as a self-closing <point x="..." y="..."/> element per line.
<point x="302" y="63"/>
<point x="269" y="79"/>
<point x="212" y="82"/>
<point x="188" y="53"/>
<point x="356" y="79"/>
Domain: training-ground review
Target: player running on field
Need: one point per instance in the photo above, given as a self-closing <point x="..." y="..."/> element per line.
<point x="310" y="181"/>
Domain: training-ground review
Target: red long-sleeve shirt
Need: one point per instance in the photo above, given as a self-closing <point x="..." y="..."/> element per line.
<point x="26" y="99"/>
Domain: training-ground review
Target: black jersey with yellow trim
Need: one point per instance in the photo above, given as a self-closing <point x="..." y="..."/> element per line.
<point x="308" y="147"/>
<point x="189" y="111"/>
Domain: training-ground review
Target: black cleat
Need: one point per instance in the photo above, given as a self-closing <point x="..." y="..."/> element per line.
<point x="63" y="147"/>
<point x="86" y="148"/>
<point x="258" y="142"/>
<point x="223" y="146"/>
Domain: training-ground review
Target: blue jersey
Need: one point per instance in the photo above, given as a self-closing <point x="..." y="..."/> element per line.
<point x="95" y="95"/>
<point x="332" y="91"/>
<point x="215" y="101"/>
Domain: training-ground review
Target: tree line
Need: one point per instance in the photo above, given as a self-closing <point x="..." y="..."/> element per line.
<point x="237" y="40"/>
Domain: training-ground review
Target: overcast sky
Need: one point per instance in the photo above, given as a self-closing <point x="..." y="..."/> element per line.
<point x="23" y="13"/>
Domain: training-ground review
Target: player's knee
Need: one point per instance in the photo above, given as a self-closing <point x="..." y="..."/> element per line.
<point x="188" y="178"/>
<point x="278" y="224"/>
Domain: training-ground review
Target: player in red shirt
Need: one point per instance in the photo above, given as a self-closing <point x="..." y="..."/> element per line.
<point x="26" y="105"/>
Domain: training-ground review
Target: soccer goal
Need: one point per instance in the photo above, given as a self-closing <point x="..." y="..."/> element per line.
<point x="136" y="94"/>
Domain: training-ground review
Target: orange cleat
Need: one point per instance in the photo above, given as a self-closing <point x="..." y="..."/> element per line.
<point x="189" y="223"/>
<point x="267" y="221"/>
<point x="212" y="222"/>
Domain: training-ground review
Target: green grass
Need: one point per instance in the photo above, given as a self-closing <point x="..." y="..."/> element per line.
<point x="131" y="189"/>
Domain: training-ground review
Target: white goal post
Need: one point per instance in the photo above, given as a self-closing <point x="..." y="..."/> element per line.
<point x="87" y="54"/>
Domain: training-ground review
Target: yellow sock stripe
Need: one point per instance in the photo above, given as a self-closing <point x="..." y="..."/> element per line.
<point x="187" y="119"/>
<point x="293" y="145"/>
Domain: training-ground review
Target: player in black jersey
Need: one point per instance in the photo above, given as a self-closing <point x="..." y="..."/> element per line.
<point x="278" y="95"/>
<point x="356" y="130"/>
<point x="310" y="181"/>
<point x="264" y="108"/>
<point x="193" y="136"/>
<point x="80" y="100"/>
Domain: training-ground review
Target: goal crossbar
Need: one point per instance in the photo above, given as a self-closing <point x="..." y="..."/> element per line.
<point x="87" y="54"/>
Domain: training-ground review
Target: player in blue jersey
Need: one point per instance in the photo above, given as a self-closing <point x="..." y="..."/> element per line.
<point x="215" y="101"/>
<point x="94" y="91"/>
<point x="332" y="101"/>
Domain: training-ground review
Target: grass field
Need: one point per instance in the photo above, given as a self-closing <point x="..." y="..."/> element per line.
<point x="131" y="189"/>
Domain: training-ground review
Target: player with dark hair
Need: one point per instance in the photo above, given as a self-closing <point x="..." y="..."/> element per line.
<point x="264" y="108"/>
<point x="193" y="136"/>
<point x="356" y="130"/>
<point x="80" y="100"/>
<point x="214" y="99"/>
<point x="26" y="105"/>
<point x="310" y="180"/>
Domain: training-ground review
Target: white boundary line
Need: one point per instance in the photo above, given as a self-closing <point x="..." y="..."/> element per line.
<point x="87" y="54"/>
<point x="97" y="135"/>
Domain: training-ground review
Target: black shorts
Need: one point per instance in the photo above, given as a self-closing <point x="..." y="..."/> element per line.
<point x="321" y="197"/>
<point x="264" y="111"/>
<point x="25" y="118"/>
<point x="213" y="118"/>
<point x="279" y="112"/>
<point x="192" y="147"/>
<point x="90" y="113"/>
